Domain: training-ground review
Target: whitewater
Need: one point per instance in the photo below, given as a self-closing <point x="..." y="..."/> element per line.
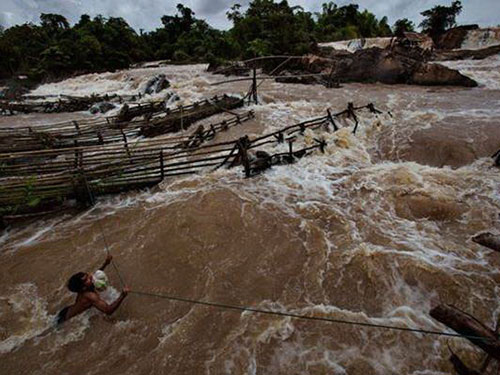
<point x="377" y="230"/>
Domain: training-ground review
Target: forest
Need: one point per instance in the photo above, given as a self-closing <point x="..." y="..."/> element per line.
<point x="54" y="49"/>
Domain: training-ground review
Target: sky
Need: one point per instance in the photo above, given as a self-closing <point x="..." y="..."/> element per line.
<point x="146" y="14"/>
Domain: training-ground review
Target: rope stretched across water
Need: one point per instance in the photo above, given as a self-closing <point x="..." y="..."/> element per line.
<point x="269" y="312"/>
<point x="92" y="201"/>
<point x="306" y="317"/>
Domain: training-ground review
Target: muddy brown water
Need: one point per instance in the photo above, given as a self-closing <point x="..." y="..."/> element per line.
<point x="375" y="230"/>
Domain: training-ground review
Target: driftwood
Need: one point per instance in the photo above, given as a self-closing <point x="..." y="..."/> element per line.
<point x="467" y="325"/>
<point x="488" y="239"/>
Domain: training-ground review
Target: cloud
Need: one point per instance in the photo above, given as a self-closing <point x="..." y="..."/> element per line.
<point x="146" y="14"/>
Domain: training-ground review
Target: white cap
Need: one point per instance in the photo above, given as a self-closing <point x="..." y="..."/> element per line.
<point x="100" y="280"/>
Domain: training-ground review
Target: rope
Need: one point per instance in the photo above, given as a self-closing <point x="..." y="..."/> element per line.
<point x="271" y="312"/>
<point x="92" y="201"/>
<point x="306" y="317"/>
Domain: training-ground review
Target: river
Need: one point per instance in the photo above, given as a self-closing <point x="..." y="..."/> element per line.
<point x="375" y="230"/>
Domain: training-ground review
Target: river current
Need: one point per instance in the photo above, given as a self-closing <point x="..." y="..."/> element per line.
<point x="376" y="230"/>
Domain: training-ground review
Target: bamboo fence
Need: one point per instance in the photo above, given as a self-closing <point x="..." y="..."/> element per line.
<point x="115" y="170"/>
<point x="111" y="129"/>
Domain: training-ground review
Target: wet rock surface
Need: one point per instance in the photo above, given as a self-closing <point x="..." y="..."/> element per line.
<point x="453" y="38"/>
<point x="435" y="74"/>
<point x="405" y="61"/>
<point x="102" y="107"/>
<point x="478" y="54"/>
<point x="156" y="84"/>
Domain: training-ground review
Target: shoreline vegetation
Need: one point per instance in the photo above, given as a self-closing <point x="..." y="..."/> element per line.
<point x="55" y="50"/>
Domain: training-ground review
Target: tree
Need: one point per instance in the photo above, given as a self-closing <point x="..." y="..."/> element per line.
<point x="402" y="26"/>
<point x="53" y="23"/>
<point x="334" y="23"/>
<point x="234" y="14"/>
<point x="440" y="18"/>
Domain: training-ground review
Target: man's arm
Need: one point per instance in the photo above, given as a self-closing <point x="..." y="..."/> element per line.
<point x="101" y="305"/>
<point x="108" y="260"/>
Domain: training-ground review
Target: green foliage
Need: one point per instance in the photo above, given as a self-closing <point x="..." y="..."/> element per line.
<point x="30" y="198"/>
<point x="270" y="28"/>
<point x="347" y="22"/>
<point x="440" y="18"/>
<point x="403" y="25"/>
<point x="55" y="49"/>
<point x="181" y="56"/>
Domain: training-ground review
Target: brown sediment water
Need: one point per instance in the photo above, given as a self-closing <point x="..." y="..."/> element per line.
<point x="375" y="230"/>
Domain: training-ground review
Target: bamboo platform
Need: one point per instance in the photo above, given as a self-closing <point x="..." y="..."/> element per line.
<point x="111" y="170"/>
<point x="112" y="129"/>
<point x="131" y="151"/>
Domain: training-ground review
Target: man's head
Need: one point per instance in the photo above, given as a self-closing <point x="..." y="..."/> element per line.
<point x="80" y="282"/>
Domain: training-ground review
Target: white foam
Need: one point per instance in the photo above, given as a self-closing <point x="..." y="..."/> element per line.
<point x="31" y="311"/>
<point x="354" y="45"/>
<point x="481" y="38"/>
<point x="486" y="72"/>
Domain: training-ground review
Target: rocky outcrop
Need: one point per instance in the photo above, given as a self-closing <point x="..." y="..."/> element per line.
<point x="101" y="107"/>
<point x="466" y="54"/>
<point x="411" y="40"/>
<point x="438" y="75"/>
<point x="229" y="69"/>
<point x="406" y="61"/>
<point x="369" y="65"/>
<point x="296" y="77"/>
<point x="156" y="84"/>
<point x="453" y="38"/>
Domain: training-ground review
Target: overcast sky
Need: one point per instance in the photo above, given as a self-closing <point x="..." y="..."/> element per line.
<point x="146" y="14"/>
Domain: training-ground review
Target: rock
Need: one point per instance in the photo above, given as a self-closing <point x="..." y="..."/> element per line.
<point x="171" y="97"/>
<point x="436" y="75"/>
<point x="405" y="61"/>
<point x="466" y="54"/>
<point x="156" y="84"/>
<point x="101" y="107"/>
<point x="453" y="38"/>
<point x="370" y="65"/>
<point x="416" y="40"/>
<point x="123" y="114"/>
<point x="294" y="77"/>
<point x="232" y="69"/>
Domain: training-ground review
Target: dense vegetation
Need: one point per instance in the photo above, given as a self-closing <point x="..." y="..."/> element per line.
<point x="440" y="18"/>
<point x="55" y="49"/>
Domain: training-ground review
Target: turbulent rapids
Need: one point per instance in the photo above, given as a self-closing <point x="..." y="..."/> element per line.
<point x="376" y="229"/>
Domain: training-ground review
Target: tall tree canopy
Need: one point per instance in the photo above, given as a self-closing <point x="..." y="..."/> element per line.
<point x="440" y="18"/>
<point x="54" y="48"/>
<point x="403" y="25"/>
<point x="347" y="22"/>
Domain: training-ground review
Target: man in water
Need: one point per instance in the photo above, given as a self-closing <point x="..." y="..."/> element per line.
<point x="82" y="284"/>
